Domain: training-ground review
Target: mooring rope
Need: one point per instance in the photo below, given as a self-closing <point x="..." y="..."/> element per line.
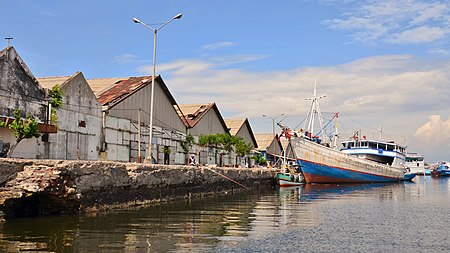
<point x="228" y="178"/>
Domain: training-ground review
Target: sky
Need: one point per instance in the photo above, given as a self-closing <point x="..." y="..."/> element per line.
<point x="381" y="64"/>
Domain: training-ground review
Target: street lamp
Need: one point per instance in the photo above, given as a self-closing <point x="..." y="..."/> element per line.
<point x="273" y="132"/>
<point x="155" y="31"/>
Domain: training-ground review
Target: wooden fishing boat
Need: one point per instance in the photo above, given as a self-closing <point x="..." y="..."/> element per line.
<point x="359" y="160"/>
<point x="289" y="176"/>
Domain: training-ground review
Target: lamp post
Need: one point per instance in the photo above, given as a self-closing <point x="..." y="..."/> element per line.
<point x="148" y="159"/>
<point x="273" y="132"/>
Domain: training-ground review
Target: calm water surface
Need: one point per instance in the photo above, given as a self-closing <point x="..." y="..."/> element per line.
<point x="400" y="217"/>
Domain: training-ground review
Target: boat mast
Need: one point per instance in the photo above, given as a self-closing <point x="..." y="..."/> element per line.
<point x="315" y="109"/>
<point x="336" y="133"/>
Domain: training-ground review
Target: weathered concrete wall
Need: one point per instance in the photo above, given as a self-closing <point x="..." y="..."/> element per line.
<point x="79" y="122"/>
<point x="42" y="187"/>
<point x="19" y="89"/>
<point x="121" y="141"/>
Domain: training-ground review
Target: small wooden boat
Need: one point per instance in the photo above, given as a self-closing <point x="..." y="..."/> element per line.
<point x="290" y="176"/>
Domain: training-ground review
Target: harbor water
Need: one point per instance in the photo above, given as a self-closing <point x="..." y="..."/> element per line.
<point x="399" y="217"/>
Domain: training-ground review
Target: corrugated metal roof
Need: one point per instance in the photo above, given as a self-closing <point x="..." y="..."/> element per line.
<point x="100" y="85"/>
<point x="235" y="125"/>
<point x="50" y="81"/>
<point x="264" y="140"/>
<point x="194" y="112"/>
<point x="122" y="89"/>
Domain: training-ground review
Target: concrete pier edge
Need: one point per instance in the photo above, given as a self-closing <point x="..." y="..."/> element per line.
<point x="47" y="187"/>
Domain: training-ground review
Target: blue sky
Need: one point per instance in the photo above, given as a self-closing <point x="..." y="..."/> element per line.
<point x="381" y="63"/>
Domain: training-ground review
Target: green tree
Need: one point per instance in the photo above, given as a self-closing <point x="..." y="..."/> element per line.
<point x="229" y="143"/>
<point x="259" y="159"/>
<point x="243" y="149"/>
<point x="22" y="129"/>
<point x="209" y="140"/>
<point x="203" y="142"/>
<point x="225" y="142"/>
<point x="56" y="101"/>
<point x="186" y="145"/>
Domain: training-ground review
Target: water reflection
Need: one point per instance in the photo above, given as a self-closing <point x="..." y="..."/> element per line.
<point x="232" y="222"/>
<point x="174" y="226"/>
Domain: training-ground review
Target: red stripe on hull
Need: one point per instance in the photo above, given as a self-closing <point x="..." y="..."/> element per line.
<point x="285" y="183"/>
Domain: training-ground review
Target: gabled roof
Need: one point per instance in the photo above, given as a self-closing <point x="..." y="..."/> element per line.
<point x="122" y="89"/>
<point x="9" y="52"/>
<point x="235" y="125"/>
<point x="264" y="140"/>
<point x="195" y="112"/>
<point x="19" y="86"/>
<point x="111" y="91"/>
<point x="100" y="85"/>
<point x="51" y="81"/>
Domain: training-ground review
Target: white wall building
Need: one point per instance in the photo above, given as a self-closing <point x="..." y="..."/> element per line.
<point x="79" y="120"/>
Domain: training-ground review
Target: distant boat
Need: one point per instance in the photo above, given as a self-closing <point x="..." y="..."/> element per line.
<point x="442" y="170"/>
<point x="415" y="162"/>
<point x="360" y="161"/>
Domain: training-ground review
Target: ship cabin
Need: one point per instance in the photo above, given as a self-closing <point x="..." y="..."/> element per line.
<point x="378" y="151"/>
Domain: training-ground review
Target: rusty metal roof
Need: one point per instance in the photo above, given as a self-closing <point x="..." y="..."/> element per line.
<point x="115" y="90"/>
<point x="193" y="113"/>
<point x="122" y="89"/>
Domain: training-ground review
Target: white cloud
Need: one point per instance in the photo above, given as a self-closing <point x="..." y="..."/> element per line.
<point x="393" y="91"/>
<point x="395" y="21"/>
<point x="125" y="58"/>
<point x="439" y="51"/>
<point x="434" y="138"/>
<point x="435" y="132"/>
<point x="418" y="35"/>
<point x="218" y="45"/>
<point x="200" y="67"/>
<point x="179" y="67"/>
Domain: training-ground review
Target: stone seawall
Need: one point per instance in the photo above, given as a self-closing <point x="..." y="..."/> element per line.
<point x="45" y="187"/>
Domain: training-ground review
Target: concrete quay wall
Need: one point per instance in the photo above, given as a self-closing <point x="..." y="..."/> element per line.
<point x="45" y="187"/>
